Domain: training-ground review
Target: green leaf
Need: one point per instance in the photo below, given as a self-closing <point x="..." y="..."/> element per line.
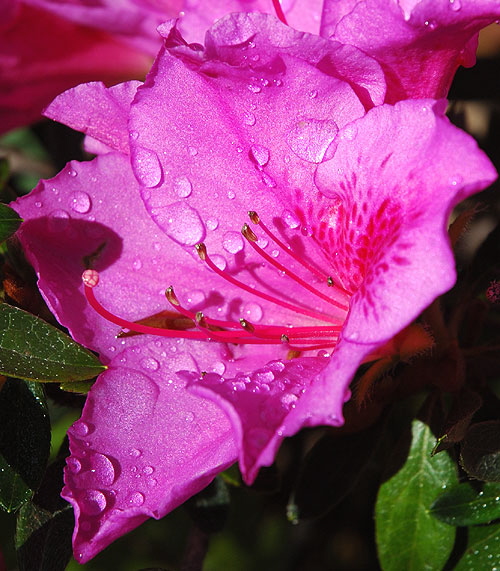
<point x="483" y="549"/>
<point x="31" y="349"/>
<point x="9" y="222"/>
<point x="480" y="452"/>
<point x="463" y="505"/>
<point x="24" y="441"/>
<point x="45" y="525"/>
<point x="408" y="537"/>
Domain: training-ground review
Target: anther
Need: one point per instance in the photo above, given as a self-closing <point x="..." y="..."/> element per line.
<point x="254" y="217"/>
<point x="248" y="233"/>
<point x="172" y="298"/>
<point x="247" y="326"/>
<point x="200" y="319"/>
<point x="330" y="282"/>
<point x="285" y="339"/>
<point x="202" y="250"/>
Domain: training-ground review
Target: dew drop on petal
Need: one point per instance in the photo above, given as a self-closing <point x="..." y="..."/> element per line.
<point x="212" y="224"/>
<point x="219" y="261"/>
<point x="135" y="453"/>
<point x="183" y="187"/>
<point x="219" y="368"/>
<point x="260" y="154"/>
<point x="103" y="469"/>
<point x="193" y="151"/>
<point x="137" y="264"/>
<point x="455" y="5"/>
<point x="310" y="139"/>
<point x="136" y="499"/>
<point x="58" y="221"/>
<point x="81" y="202"/>
<point x="181" y="222"/>
<point x="233" y="242"/>
<point x="252" y="312"/>
<point x="189" y="417"/>
<point x="147" y="167"/>
<point x="268" y="180"/>
<point x="92" y="502"/>
<point x="290" y="219"/>
<point x="72" y="173"/>
<point x="74" y="465"/>
<point x="80" y="428"/>
<point x="249" y="118"/>
<point x="134" y="135"/>
<point x="231" y="195"/>
<point x="150" y="364"/>
<point x="148" y="470"/>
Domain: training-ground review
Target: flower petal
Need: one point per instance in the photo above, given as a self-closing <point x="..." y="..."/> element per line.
<point x="115" y="478"/>
<point x="419" y="44"/>
<point x="391" y="185"/>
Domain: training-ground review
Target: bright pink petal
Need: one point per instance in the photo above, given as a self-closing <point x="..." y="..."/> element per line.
<point x="128" y="462"/>
<point x="419" y="44"/>
<point x="97" y="111"/>
<point x="390" y="188"/>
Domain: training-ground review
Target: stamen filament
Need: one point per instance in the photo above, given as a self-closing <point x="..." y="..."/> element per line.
<point x="279" y="11"/>
<point x="202" y="252"/>
<point x="255" y="218"/>
<point x="289" y="273"/>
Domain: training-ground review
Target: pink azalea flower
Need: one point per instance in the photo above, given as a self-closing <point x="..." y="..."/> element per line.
<point x="419" y="43"/>
<point x="48" y="46"/>
<point x="346" y="243"/>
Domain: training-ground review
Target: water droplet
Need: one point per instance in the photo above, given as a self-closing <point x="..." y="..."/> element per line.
<point x="135" y="453"/>
<point x="349" y="133"/>
<point x="58" y="221"/>
<point x="233" y="242"/>
<point x="152" y="482"/>
<point x="136" y="499"/>
<point x="252" y="311"/>
<point x="92" y="502"/>
<point x="181" y="222"/>
<point x="455" y="5"/>
<point x="310" y="139"/>
<point x="147" y="167"/>
<point x="80" y="428"/>
<point x="219" y="261"/>
<point x="219" y="368"/>
<point x="275" y="253"/>
<point x="289" y="400"/>
<point x="212" y="224"/>
<point x="277" y="366"/>
<point x="193" y="151"/>
<point x="81" y="202"/>
<point x="254" y="88"/>
<point x="72" y="173"/>
<point x="183" y="187"/>
<point x="260" y="154"/>
<point x="103" y="469"/>
<point x="430" y="24"/>
<point x="313" y="94"/>
<point x="268" y="180"/>
<point x="38" y="204"/>
<point x="148" y="470"/>
<point x="249" y="118"/>
<point x="74" y="465"/>
<point x="134" y="135"/>
<point x="137" y="264"/>
<point x="150" y="364"/>
<point x="290" y="219"/>
<point x="230" y="194"/>
<point x="189" y="417"/>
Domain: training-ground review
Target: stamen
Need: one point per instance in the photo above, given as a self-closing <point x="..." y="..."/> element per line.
<point x="279" y="11"/>
<point x="246" y="231"/>
<point x="255" y="218"/>
<point x="202" y="252"/>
